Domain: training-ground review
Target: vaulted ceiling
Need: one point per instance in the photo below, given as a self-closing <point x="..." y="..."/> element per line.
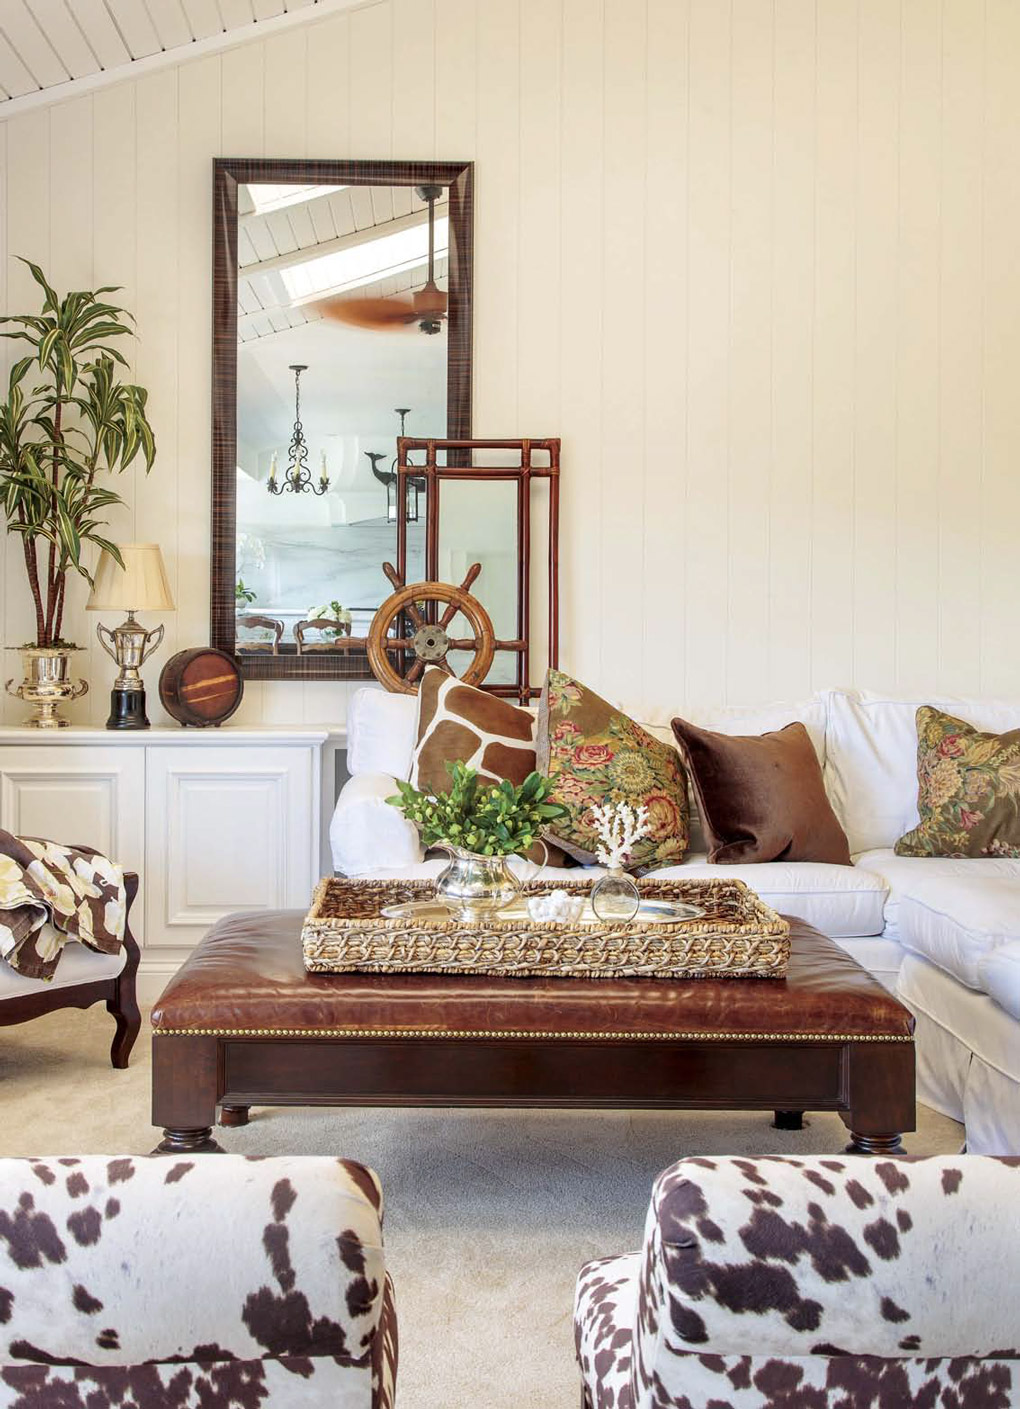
<point x="49" y="48"/>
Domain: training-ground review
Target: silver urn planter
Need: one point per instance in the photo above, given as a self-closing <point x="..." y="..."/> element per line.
<point x="47" y="684"/>
<point x="476" y="887"/>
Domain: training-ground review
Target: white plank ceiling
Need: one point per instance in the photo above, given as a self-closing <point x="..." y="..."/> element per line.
<point x="45" y="44"/>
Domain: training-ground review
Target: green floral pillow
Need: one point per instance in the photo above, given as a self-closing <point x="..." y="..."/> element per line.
<point x="594" y="753"/>
<point x="968" y="790"/>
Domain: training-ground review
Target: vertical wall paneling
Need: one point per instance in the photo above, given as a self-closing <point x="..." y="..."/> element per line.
<point x="706" y="541"/>
<point x="918" y="324"/>
<point x="538" y="302"/>
<point x="662" y="645"/>
<point x="961" y="352"/>
<point x="283" y="95"/>
<point x="874" y="373"/>
<point x="750" y="383"/>
<point x="455" y="42"/>
<point x="414" y="79"/>
<point x="793" y="255"/>
<point x="370" y="85"/>
<point x="328" y="124"/>
<point x="581" y="264"/>
<point x="1000" y="500"/>
<point x="832" y="560"/>
<point x="497" y="218"/>
<point x="159" y="296"/>
<point x="621" y="600"/>
<point x="754" y="261"/>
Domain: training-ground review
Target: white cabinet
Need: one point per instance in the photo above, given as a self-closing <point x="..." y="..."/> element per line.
<point x="213" y="821"/>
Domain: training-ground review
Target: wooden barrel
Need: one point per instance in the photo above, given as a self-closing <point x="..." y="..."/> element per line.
<point x="201" y="686"/>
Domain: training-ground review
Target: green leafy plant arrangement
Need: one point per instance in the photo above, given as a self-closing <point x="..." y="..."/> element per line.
<point x="490" y="819"/>
<point x="58" y="436"/>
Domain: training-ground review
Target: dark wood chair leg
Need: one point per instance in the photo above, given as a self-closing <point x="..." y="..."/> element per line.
<point x="788" y="1120"/>
<point x="234" y="1115"/>
<point x="122" y="1005"/>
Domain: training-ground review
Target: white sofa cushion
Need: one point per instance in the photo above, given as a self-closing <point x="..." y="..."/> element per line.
<point x="871" y="758"/>
<point x="838" y="900"/>
<point x="956" y="922"/>
<point x="905" y="875"/>
<point x="744" y="719"/>
<point x="381" y="732"/>
<point x="77" y="964"/>
<point x="366" y="833"/>
<point x="999" y="970"/>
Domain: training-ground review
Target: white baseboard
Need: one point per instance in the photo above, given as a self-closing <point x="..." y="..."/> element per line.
<point x="153" y="977"/>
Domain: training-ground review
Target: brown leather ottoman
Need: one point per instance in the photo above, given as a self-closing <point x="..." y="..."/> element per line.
<point x="243" y="1024"/>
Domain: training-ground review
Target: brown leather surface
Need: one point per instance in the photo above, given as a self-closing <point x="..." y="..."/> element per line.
<point x="247" y="974"/>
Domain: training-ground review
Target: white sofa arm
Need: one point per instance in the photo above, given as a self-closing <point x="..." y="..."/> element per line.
<point x="366" y="833"/>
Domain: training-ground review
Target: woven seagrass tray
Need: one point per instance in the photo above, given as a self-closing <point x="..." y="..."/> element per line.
<point x="738" y="936"/>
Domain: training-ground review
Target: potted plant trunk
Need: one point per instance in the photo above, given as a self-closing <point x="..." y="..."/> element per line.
<point x="66" y="423"/>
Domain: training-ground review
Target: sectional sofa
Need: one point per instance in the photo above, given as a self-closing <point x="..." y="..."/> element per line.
<point x="943" y="934"/>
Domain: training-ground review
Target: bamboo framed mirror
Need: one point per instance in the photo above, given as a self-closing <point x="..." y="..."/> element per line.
<point x="341" y="320"/>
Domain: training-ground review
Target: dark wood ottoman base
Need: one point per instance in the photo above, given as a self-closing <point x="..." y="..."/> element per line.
<point x="243" y="1025"/>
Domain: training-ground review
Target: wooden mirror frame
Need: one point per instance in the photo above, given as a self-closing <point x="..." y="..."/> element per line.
<point x="228" y="174"/>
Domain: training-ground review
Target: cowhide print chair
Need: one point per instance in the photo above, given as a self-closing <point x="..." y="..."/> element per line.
<point x="807" y="1283"/>
<point x="217" y="1283"/>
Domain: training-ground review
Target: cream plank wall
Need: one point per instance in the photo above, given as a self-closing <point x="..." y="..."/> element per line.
<point x="756" y="263"/>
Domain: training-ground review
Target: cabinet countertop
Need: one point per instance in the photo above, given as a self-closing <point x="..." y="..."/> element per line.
<point x="175" y="735"/>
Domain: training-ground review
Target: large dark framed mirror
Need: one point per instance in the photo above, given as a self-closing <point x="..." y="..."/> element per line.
<point x="341" y="319"/>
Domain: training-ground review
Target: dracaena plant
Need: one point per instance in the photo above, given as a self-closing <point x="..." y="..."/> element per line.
<point x="490" y="819"/>
<point x="68" y="421"/>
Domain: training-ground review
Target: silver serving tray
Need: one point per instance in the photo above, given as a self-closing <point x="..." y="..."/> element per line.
<point x="649" y="912"/>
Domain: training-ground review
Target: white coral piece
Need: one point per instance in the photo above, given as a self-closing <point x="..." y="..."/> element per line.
<point x="619" y="827"/>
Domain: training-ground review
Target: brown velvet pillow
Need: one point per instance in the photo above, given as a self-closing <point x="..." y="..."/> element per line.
<point x="761" y="798"/>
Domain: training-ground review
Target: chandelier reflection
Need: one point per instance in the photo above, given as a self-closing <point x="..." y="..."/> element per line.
<point x="298" y="477"/>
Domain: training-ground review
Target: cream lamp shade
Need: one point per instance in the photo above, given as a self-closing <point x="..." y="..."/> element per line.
<point x="140" y="585"/>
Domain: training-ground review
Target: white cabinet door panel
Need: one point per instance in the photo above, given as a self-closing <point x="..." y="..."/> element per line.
<point x="227" y="829"/>
<point x="90" y="795"/>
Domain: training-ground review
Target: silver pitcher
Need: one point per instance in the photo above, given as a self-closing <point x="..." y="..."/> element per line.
<point x="474" y="886"/>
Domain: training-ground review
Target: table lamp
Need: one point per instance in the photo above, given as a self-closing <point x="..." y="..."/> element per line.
<point x="140" y="585"/>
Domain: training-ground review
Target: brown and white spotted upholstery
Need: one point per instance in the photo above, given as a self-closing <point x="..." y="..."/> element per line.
<point x="806" y="1283"/>
<point x="212" y="1283"/>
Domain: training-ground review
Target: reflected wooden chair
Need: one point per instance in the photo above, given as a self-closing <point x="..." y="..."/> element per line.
<point x="342" y="641"/>
<point x="263" y="623"/>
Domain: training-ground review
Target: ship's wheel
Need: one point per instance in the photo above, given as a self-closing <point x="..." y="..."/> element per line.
<point x="402" y="627"/>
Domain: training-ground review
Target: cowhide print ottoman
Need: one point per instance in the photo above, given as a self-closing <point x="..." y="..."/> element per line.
<point x="242" y="1023"/>
<point x="805" y="1283"/>
<point x="151" y="1283"/>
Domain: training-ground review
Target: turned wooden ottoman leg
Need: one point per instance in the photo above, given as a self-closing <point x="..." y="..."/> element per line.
<point x="185" y="1087"/>
<point x="882" y="1102"/>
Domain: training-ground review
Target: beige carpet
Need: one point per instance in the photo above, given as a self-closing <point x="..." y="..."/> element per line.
<point x="490" y="1213"/>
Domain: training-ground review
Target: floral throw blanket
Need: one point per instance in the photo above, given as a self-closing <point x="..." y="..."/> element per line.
<point x="50" y="894"/>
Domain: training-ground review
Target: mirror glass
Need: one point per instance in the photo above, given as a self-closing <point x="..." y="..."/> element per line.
<point x="326" y="379"/>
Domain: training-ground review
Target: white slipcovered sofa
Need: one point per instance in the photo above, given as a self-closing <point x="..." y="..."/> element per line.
<point x="943" y="934"/>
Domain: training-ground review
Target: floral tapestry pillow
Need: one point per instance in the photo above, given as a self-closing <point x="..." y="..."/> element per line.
<point x="595" y="753"/>
<point x="968" y="790"/>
